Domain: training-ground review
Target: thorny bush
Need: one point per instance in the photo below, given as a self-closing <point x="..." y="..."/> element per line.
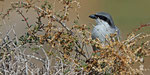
<point x="67" y="52"/>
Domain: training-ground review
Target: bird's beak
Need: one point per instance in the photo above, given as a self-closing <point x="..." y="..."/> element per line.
<point x="93" y="16"/>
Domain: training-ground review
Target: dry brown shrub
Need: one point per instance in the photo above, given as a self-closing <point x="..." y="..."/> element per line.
<point x="68" y="52"/>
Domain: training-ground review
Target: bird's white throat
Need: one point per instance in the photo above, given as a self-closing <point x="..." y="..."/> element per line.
<point x="102" y="22"/>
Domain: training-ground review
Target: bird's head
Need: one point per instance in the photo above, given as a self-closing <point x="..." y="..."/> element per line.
<point x="103" y="16"/>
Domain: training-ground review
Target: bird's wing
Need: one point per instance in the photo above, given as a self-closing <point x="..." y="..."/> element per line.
<point x="118" y="33"/>
<point x="98" y="33"/>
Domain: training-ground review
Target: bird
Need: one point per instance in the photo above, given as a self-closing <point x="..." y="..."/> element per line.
<point x="104" y="27"/>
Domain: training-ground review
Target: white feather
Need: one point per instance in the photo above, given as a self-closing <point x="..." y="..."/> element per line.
<point x="101" y="30"/>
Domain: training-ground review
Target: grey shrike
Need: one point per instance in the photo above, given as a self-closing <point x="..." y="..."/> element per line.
<point x="105" y="26"/>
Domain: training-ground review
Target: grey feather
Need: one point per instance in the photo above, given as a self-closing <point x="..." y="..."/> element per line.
<point x="105" y="26"/>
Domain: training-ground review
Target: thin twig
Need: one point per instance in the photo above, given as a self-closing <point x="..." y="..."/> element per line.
<point x="133" y="38"/>
<point x="25" y="19"/>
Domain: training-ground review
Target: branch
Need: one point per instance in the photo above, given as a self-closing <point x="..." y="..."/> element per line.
<point x="63" y="24"/>
<point x="142" y="26"/>
<point x="25" y="19"/>
<point x="54" y="18"/>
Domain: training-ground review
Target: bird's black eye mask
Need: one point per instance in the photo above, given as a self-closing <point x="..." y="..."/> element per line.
<point x="104" y="18"/>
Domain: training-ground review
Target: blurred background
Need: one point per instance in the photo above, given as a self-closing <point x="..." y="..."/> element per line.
<point x="127" y="15"/>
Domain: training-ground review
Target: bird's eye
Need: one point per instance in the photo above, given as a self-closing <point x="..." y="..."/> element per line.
<point x="104" y="18"/>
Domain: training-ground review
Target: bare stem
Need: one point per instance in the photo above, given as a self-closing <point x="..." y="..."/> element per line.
<point x="25" y="19"/>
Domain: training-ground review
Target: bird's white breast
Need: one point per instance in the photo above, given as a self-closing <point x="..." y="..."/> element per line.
<point x="101" y="30"/>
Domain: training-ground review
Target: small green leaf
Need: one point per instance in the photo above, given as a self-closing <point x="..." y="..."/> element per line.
<point x="22" y="20"/>
<point x="76" y="22"/>
<point x="35" y="49"/>
<point x="49" y="6"/>
<point x="66" y="71"/>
